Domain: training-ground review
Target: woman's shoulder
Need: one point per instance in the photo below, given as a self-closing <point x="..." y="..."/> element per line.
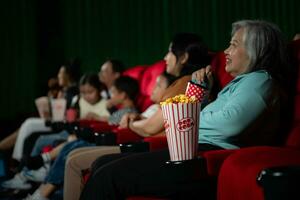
<point x="177" y="87"/>
<point x="258" y="80"/>
<point x="255" y="77"/>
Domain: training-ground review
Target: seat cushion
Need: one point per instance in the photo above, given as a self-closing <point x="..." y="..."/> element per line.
<point x="218" y="66"/>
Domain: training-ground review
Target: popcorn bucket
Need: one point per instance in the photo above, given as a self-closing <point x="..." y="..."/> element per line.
<point x="181" y="121"/>
<point x="43" y="107"/>
<point x="197" y="90"/>
<point x="58" y="108"/>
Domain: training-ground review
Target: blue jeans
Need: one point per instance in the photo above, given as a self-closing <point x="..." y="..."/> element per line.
<point x="45" y="140"/>
<point x="57" y="170"/>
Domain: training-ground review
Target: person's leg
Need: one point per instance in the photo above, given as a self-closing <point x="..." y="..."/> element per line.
<point x="108" y="164"/>
<point x="45" y="140"/>
<point x="8" y="142"/>
<point x="46" y="189"/>
<point x="37" y="162"/>
<point x="30" y="142"/>
<point x="56" y="173"/>
<point x="30" y="126"/>
<point x="43" y="192"/>
<point x="146" y="174"/>
<point x="78" y="160"/>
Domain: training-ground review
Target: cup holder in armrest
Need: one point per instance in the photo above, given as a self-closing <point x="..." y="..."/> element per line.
<point x="56" y="126"/>
<point x="134" y="147"/>
<point x="105" y="138"/>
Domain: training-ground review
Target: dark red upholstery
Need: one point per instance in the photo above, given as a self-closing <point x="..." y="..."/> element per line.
<point x="126" y="135"/>
<point x="157" y="142"/>
<point x="135" y="72"/>
<point x="218" y="67"/>
<point x="146" y="75"/>
<point x="237" y="177"/>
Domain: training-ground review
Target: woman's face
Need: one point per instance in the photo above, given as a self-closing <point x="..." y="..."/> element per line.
<point x="159" y="88"/>
<point x="90" y="93"/>
<point x="173" y="66"/>
<point x="237" y="59"/>
<point x="63" y="78"/>
<point x="107" y="75"/>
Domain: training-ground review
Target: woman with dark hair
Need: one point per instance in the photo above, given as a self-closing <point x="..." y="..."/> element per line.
<point x="68" y="77"/>
<point x="257" y="59"/>
<point x="187" y="53"/>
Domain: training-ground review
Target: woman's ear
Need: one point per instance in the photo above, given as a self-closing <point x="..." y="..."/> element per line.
<point x="184" y="58"/>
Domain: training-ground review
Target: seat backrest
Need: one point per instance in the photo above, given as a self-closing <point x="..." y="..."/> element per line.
<point x="293" y="139"/>
<point x="218" y="67"/>
<point x="147" y="83"/>
<point x="146" y="76"/>
<point x="135" y="72"/>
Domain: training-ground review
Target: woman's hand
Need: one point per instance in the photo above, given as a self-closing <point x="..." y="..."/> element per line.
<point x="92" y="116"/>
<point x="204" y="75"/>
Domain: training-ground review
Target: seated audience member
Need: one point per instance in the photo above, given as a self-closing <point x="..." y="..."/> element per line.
<point x="81" y="159"/>
<point x="68" y="76"/>
<point x="53" y="90"/>
<point x="123" y="93"/>
<point x="297" y="36"/>
<point x="186" y="54"/>
<point x="244" y="113"/>
<point x="110" y="70"/>
<point x="91" y="104"/>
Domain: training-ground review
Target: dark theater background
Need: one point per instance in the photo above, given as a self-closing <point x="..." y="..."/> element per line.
<point x="38" y="35"/>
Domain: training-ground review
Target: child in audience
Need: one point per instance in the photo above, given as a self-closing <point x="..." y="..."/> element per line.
<point x="123" y="93"/>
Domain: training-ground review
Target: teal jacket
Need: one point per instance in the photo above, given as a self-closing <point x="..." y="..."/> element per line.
<point x="238" y="105"/>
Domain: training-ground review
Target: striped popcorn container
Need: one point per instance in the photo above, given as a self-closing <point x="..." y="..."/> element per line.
<point x="181" y="121"/>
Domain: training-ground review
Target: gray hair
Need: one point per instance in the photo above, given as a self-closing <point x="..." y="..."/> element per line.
<point x="264" y="45"/>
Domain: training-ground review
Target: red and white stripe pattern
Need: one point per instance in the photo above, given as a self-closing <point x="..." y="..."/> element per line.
<point x="195" y="90"/>
<point x="182" y="125"/>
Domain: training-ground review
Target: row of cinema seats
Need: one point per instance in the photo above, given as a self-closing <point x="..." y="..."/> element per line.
<point x="261" y="172"/>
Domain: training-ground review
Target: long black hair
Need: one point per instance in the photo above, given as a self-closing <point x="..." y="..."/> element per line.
<point x="93" y="80"/>
<point x="197" y="51"/>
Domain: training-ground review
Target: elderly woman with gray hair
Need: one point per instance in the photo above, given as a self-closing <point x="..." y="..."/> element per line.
<point x="244" y="113"/>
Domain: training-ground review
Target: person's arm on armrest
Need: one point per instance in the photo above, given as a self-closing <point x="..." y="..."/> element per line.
<point x="149" y="126"/>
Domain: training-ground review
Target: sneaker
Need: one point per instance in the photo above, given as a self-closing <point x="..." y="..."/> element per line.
<point x="37" y="175"/>
<point x="17" y="182"/>
<point x="36" y="196"/>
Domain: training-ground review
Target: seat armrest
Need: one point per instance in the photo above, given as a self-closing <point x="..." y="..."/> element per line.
<point x="280" y="182"/>
<point x="126" y="136"/>
<point x="101" y="127"/>
<point x="136" y="147"/>
<point x="215" y="159"/>
<point x="56" y="126"/>
<point x="157" y="142"/>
